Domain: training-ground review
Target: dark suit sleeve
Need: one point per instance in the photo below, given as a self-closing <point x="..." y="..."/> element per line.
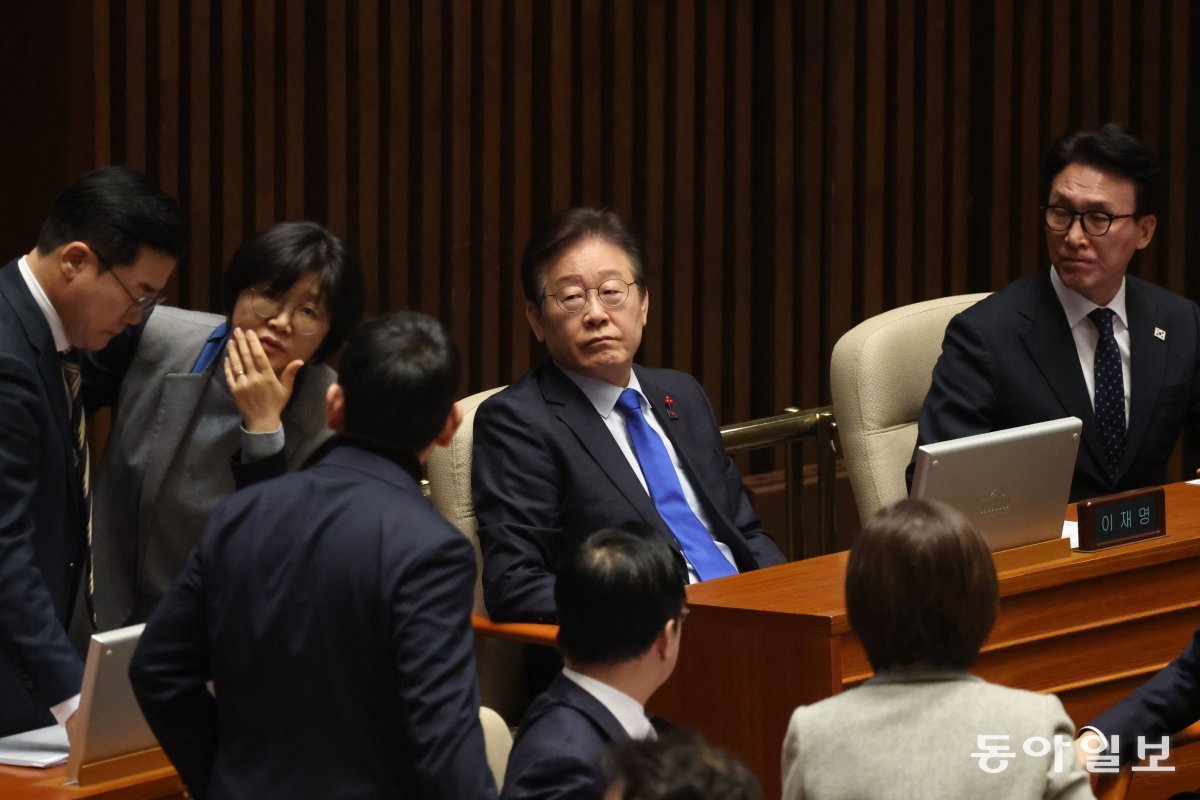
<point x="31" y="634"/>
<point x="556" y="775"/>
<point x="766" y="553"/>
<point x="252" y="472"/>
<point x="1191" y="431"/>
<point x="517" y="494"/>
<point x="962" y="394"/>
<point x="435" y="657"/>
<point x="169" y="672"/>
<point x="1163" y="705"/>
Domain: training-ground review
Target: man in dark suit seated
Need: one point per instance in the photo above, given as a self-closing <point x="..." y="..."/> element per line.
<point x="592" y="440"/>
<point x="621" y="608"/>
<point x="103" y="256"/>
<point x="1083" y="338"/>
<point x="331" y="608"/>
<point x="1160" y="707"/>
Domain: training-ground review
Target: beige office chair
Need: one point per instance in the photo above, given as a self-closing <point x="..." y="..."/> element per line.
<point x="879" y="374"/>
<point x="497" y="743"/>
<point x="500" y="663"/>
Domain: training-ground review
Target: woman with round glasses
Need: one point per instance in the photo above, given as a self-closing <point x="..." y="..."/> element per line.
<point x="208" y="404"/>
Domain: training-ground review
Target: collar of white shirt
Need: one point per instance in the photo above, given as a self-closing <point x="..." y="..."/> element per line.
<point x="61" y="342"/>
<point x="1077" y="307"/>
<point x="629" y="712"/>
<point x="602" y="394"/>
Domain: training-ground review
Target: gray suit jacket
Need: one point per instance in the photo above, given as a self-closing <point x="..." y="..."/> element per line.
<point x="168" y="460"/>
<point x="912" y="735"/>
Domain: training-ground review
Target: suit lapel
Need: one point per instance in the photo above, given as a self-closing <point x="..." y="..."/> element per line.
<point x="41" y="340"/>
<point x="571" y="694"/>
<point x="1147" y="363"/>
<point x="1052" y="348"/>
<point x="574" y="409"/>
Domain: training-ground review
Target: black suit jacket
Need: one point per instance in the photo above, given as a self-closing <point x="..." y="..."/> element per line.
<point x="1163" y="705"/>
<point x="1010" y="360"/>
<point x="547" y="472"/>
<point x="559" y="746"/>
<point x="331" y="609"/>
<point x="43" y="533"/>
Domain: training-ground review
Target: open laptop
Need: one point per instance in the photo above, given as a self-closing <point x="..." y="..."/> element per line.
<point x="110" y="723"/>
<point x="1013" y="484"/>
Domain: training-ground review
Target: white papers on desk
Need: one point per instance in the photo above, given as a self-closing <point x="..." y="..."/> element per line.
<point x="44" y="747"/>
<point x="1071" y="531"/>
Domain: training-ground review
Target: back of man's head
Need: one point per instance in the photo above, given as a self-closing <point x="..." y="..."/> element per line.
<point x="1111" y="149"/>
<point x="399" y="376"/>
<point x="615" y="595"/>
<point x="115" y="210"/>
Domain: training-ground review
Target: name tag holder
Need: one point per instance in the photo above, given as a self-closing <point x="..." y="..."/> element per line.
<point x="1118" y="519"/>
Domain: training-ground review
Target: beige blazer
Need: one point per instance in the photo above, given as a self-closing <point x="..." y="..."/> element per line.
<point x="912" y="735"/>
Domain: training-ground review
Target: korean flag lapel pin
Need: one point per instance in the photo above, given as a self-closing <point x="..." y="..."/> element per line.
<point x="1160" y="334"/>
<point x="669" y="404"/>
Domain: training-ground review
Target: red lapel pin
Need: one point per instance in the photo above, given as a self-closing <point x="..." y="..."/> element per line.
<point x="670" y="404"/>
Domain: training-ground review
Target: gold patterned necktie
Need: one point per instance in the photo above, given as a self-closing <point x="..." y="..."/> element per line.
<point x="71" y="373"/>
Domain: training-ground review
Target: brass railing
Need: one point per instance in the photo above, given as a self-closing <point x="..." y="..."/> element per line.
<point x="790" y="429"/>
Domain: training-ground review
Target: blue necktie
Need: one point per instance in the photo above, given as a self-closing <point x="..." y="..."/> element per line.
<point x="1110" y="391"/>
<point x="667" y="493"/>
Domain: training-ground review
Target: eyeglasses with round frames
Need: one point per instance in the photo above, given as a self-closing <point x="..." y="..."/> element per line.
<point x="1094" y="223"/>
<point x="611" y="293"/>
<point x="306" y="320"/>
<point x="142" y="304"/>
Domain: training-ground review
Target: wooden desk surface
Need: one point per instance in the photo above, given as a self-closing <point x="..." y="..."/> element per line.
<point x="25" y="783"/>
<point x="1089" y="627"/>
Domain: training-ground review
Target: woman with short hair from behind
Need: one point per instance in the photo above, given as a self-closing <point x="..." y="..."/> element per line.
<point x="921" y="593"/>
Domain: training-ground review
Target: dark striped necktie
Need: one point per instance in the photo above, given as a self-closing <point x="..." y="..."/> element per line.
<point x="71" y="373"/>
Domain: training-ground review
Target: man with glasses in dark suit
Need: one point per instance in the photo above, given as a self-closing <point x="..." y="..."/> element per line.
<point x="1082" y="338"/>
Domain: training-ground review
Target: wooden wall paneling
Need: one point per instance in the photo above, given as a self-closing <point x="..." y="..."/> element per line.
<point x="336" y="110"/>
<point x="458" y="297"/>
<point x="650" y="135"/>
<point x="587" y="117"/>
<point x="1008" y="83"/>
<point x="230" y="156"/>
<point x="1119" y="62"/>
<point x="168" y="121"/>
<point x="1148" y="110"/>
<point x="711" y="323"/>
<point x="618" y="174"/>
<point x="293" y="183"/>
<point x="558" y="101"/>
<point x="957" y="187"/>
<point x="872" y="161"/>
<point x="520" y="195"/>
<point x="810" y="216"/>
<point x="428" y="265"/>
<point x="1086" y="90"/>
<point x="777" y="288"/>
<point x="934" y="122"/>
<point x="1058" y="45"/>
<point x="265" y="137"/>
<point x="102" y="81"/>
<point x="364" y="219"/>
<point x="680" y="258"/>
<point x="1177" y="146"/>
<point x="1028" y="235"/>
<point x="840" y="203"/>
<point x="136" y="86"/>
<point x="492" y="294"/>
<point x="397" y="266"/>
<point x="741" y="379"/>
<point x="200" y="202"/>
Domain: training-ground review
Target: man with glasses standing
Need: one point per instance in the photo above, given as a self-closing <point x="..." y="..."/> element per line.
<point x="1082" y="339"/>
<point x="103" y="256"/>
<point x="592" y="440"/>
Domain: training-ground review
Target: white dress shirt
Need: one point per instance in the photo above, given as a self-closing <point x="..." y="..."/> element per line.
<point x="1077" y="308"/>
<point x="629" y="712"/>
<point x="604" y="396"/>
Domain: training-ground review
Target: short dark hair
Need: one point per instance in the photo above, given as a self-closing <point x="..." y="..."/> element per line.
<point x="281" y="255"/>
<point x="117" y="211"/>
<point x="678" y="766"/>
<point x="1111" y="149"/>
<point x="399" y="375"/>
<point x="921" y="587"/>
<point x="557" y="235"/>
<point x="614" y="595"/>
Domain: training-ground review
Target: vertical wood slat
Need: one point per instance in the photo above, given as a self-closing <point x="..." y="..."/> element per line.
<point x="420" y="142"/>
